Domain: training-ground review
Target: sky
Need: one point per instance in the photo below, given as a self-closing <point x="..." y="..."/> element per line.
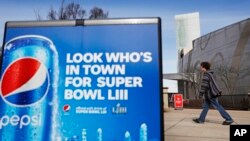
<point x="214" y="14"/>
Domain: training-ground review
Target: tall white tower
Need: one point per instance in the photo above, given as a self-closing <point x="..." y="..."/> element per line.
<point x="187" y="29"/>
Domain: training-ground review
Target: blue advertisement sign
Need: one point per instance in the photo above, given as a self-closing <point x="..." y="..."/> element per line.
<point x="93" y="81"/>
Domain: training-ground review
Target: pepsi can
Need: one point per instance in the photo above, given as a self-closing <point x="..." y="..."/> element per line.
<point x="28" y="87"/>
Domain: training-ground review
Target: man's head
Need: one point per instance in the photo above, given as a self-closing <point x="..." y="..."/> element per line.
<point x="205" y="66"/>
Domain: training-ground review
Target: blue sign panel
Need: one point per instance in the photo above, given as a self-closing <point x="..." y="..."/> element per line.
<point x="96" y="81"/>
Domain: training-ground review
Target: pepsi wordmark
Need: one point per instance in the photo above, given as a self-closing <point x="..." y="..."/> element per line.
<point x="108" y="71"/>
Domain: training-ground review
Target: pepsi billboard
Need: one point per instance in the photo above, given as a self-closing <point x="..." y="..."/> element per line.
<point x="96" y="80"/>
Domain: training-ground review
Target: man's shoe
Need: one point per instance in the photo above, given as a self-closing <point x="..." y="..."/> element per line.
<point x="196" y="120"/>
<point x="227" y="122"/>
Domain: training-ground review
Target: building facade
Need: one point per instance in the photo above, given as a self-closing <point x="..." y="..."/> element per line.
<point x="228" y="50"/>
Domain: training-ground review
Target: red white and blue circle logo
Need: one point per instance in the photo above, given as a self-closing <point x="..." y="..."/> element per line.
<point x="66" y="108"/>
<point x="24" y="82"/>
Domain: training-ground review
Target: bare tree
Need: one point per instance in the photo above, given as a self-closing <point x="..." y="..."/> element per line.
<point x="68" y="11"/>
<point x="71" y="11"/>
<point x="194" y="77"/>
<point x="52" y="15"/>
<point x="226" y="75"/>
<point x="74" y="11"/>
<point x="38" y="16"/>
<point x="98" y="13"/>
<point x="230" y="76"/>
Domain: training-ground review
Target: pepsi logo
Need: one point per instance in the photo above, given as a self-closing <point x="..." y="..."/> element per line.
<point x="24" y="82"/>
<point x="66" y="108"/>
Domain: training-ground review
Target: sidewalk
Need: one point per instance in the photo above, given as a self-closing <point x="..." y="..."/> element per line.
<point x="178" y="125"/>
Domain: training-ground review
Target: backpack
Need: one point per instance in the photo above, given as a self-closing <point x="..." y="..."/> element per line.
<point x="213" y="87"/>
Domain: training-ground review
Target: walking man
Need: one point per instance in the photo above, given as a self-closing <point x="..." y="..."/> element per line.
<point x="208" y="93"/>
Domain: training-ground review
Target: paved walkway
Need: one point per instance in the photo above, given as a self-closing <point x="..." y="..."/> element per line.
<point x="179" y="126"/>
